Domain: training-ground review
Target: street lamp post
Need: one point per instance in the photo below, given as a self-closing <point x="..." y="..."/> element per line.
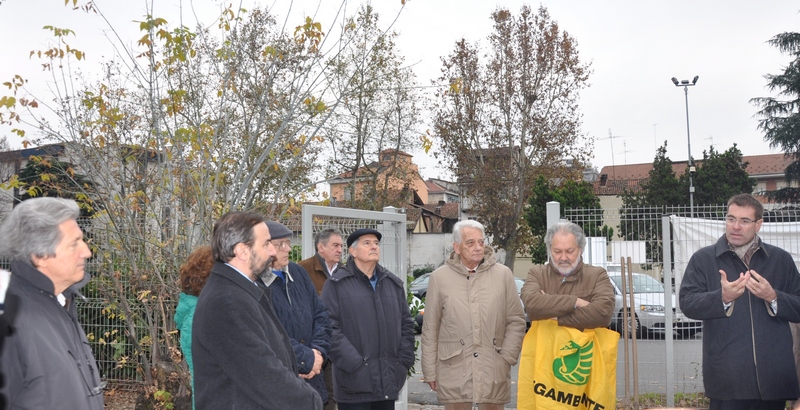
<point x="686" y="84"/>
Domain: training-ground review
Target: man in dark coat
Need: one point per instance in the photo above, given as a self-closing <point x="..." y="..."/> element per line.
<point x="372" y="343"/>
<point x="46" y="361"/>
<point x="299" y="309"/>
<point x="329" y="245"/>
<point x="746" y="292"/>
<point x="243" y="358"/>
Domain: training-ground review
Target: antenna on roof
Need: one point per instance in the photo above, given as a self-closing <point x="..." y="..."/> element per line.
<point x="625" y="152"/>
<point x="712" y="140"/>
<point x="613" y="165"/>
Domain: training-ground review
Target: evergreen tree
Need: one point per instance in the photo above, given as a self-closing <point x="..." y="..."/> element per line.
<point x="779" y="117"/>
<point x="721" y="176"/>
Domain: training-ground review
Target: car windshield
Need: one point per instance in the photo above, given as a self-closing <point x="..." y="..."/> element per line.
<point x="519" y="283"/>
<point x="641" y="284"/>
<point x="420" y="280"/>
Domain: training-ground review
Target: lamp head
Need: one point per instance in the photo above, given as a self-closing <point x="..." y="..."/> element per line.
<point x="694" y="81"/>
<point x="674" y="81"/>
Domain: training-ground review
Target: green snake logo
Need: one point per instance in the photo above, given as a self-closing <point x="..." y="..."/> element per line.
<point x="574" y="368"/>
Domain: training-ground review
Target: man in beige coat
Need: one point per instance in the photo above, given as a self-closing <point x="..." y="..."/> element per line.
<point x="474" y="325"/>
<point x="577" y="295"/>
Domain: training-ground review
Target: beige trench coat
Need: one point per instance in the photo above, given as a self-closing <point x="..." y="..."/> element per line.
<point x="473" y="330"/>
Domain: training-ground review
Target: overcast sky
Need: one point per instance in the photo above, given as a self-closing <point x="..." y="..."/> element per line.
<point x="634" y="47"/>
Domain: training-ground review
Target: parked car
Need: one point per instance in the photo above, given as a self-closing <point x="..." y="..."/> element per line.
<point x="418" y="303"/>
<point x="419" y="286"/>
<point x="648" y="308"/>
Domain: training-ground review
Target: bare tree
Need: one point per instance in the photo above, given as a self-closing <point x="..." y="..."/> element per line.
<point x="511" y="115"/>
<point x="379" y="111"/>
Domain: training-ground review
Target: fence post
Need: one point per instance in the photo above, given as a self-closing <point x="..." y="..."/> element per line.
<point x="553" y="213"/>
<point x="307" y="235"/>
<point x="666" y="243"/>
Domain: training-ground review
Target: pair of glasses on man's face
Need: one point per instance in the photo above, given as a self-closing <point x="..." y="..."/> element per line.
<point x="743" y="222"/>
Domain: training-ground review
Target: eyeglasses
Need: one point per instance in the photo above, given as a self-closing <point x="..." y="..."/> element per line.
<point x="743" y="222"/>
<point x="283" y="245"/>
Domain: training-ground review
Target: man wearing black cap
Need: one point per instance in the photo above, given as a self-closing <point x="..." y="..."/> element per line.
<point x="299" y="309"/>
<point x="372" y="343"/>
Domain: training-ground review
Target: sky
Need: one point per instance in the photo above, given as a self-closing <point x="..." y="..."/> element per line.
<point x="635" y="47"/>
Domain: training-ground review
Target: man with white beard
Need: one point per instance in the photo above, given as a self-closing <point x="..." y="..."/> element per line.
<point x="566" y="289"/>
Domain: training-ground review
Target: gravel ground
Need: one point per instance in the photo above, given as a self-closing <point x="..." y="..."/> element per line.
<point x="126" y="400"/>
<point x="120" y="399"/>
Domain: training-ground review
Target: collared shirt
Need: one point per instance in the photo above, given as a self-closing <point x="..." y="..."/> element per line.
<point x="374" y="280"/>
<point x="331" y="268"/>
<point x="471" y="271"/>
<point x="241" y="273"/>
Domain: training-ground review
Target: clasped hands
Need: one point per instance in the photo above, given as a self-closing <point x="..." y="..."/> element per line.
<point x="317" y="368"/>
<point x="750" y="280"/>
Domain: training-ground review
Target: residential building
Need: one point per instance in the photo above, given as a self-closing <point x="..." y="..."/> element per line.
<point x="768" y="171"/>
<point x="394" y="170"/>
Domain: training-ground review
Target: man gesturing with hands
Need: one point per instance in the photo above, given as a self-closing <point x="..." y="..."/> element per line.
<point x="746" y="292"/>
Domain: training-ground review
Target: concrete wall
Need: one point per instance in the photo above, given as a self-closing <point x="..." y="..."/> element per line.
<point x="428" y="249"/>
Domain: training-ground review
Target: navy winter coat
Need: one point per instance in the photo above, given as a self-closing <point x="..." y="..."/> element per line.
<point x="242" y="355"/>
<point x="305" y="319"/>
<point x="747" y="350"/>
<point x="372" y="343"/>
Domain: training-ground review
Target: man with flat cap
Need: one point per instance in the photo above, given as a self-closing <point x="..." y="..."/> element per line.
<point x="372" y="340"/>
<point x="299" y="309"/>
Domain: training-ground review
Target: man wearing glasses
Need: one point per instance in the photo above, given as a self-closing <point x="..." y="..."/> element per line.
<point x="299" y="309"/>
<point x="746" y="292"/>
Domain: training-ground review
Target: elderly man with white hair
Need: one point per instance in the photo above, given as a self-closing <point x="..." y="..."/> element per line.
<point x="474" y="325"/>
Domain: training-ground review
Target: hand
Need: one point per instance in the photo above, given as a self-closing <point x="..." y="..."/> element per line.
<point x="318" y="360"/>
<point x="732" y="290"/>
<point x="761" y="287"/>
<point x="581" y="303"/>
<point x="433" y="385"/>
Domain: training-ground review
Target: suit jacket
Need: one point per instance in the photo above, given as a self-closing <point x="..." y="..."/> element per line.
<point x="242" y="355"/>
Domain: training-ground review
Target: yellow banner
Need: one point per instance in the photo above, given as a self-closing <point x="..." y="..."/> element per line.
<point x="564" y="368"/>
